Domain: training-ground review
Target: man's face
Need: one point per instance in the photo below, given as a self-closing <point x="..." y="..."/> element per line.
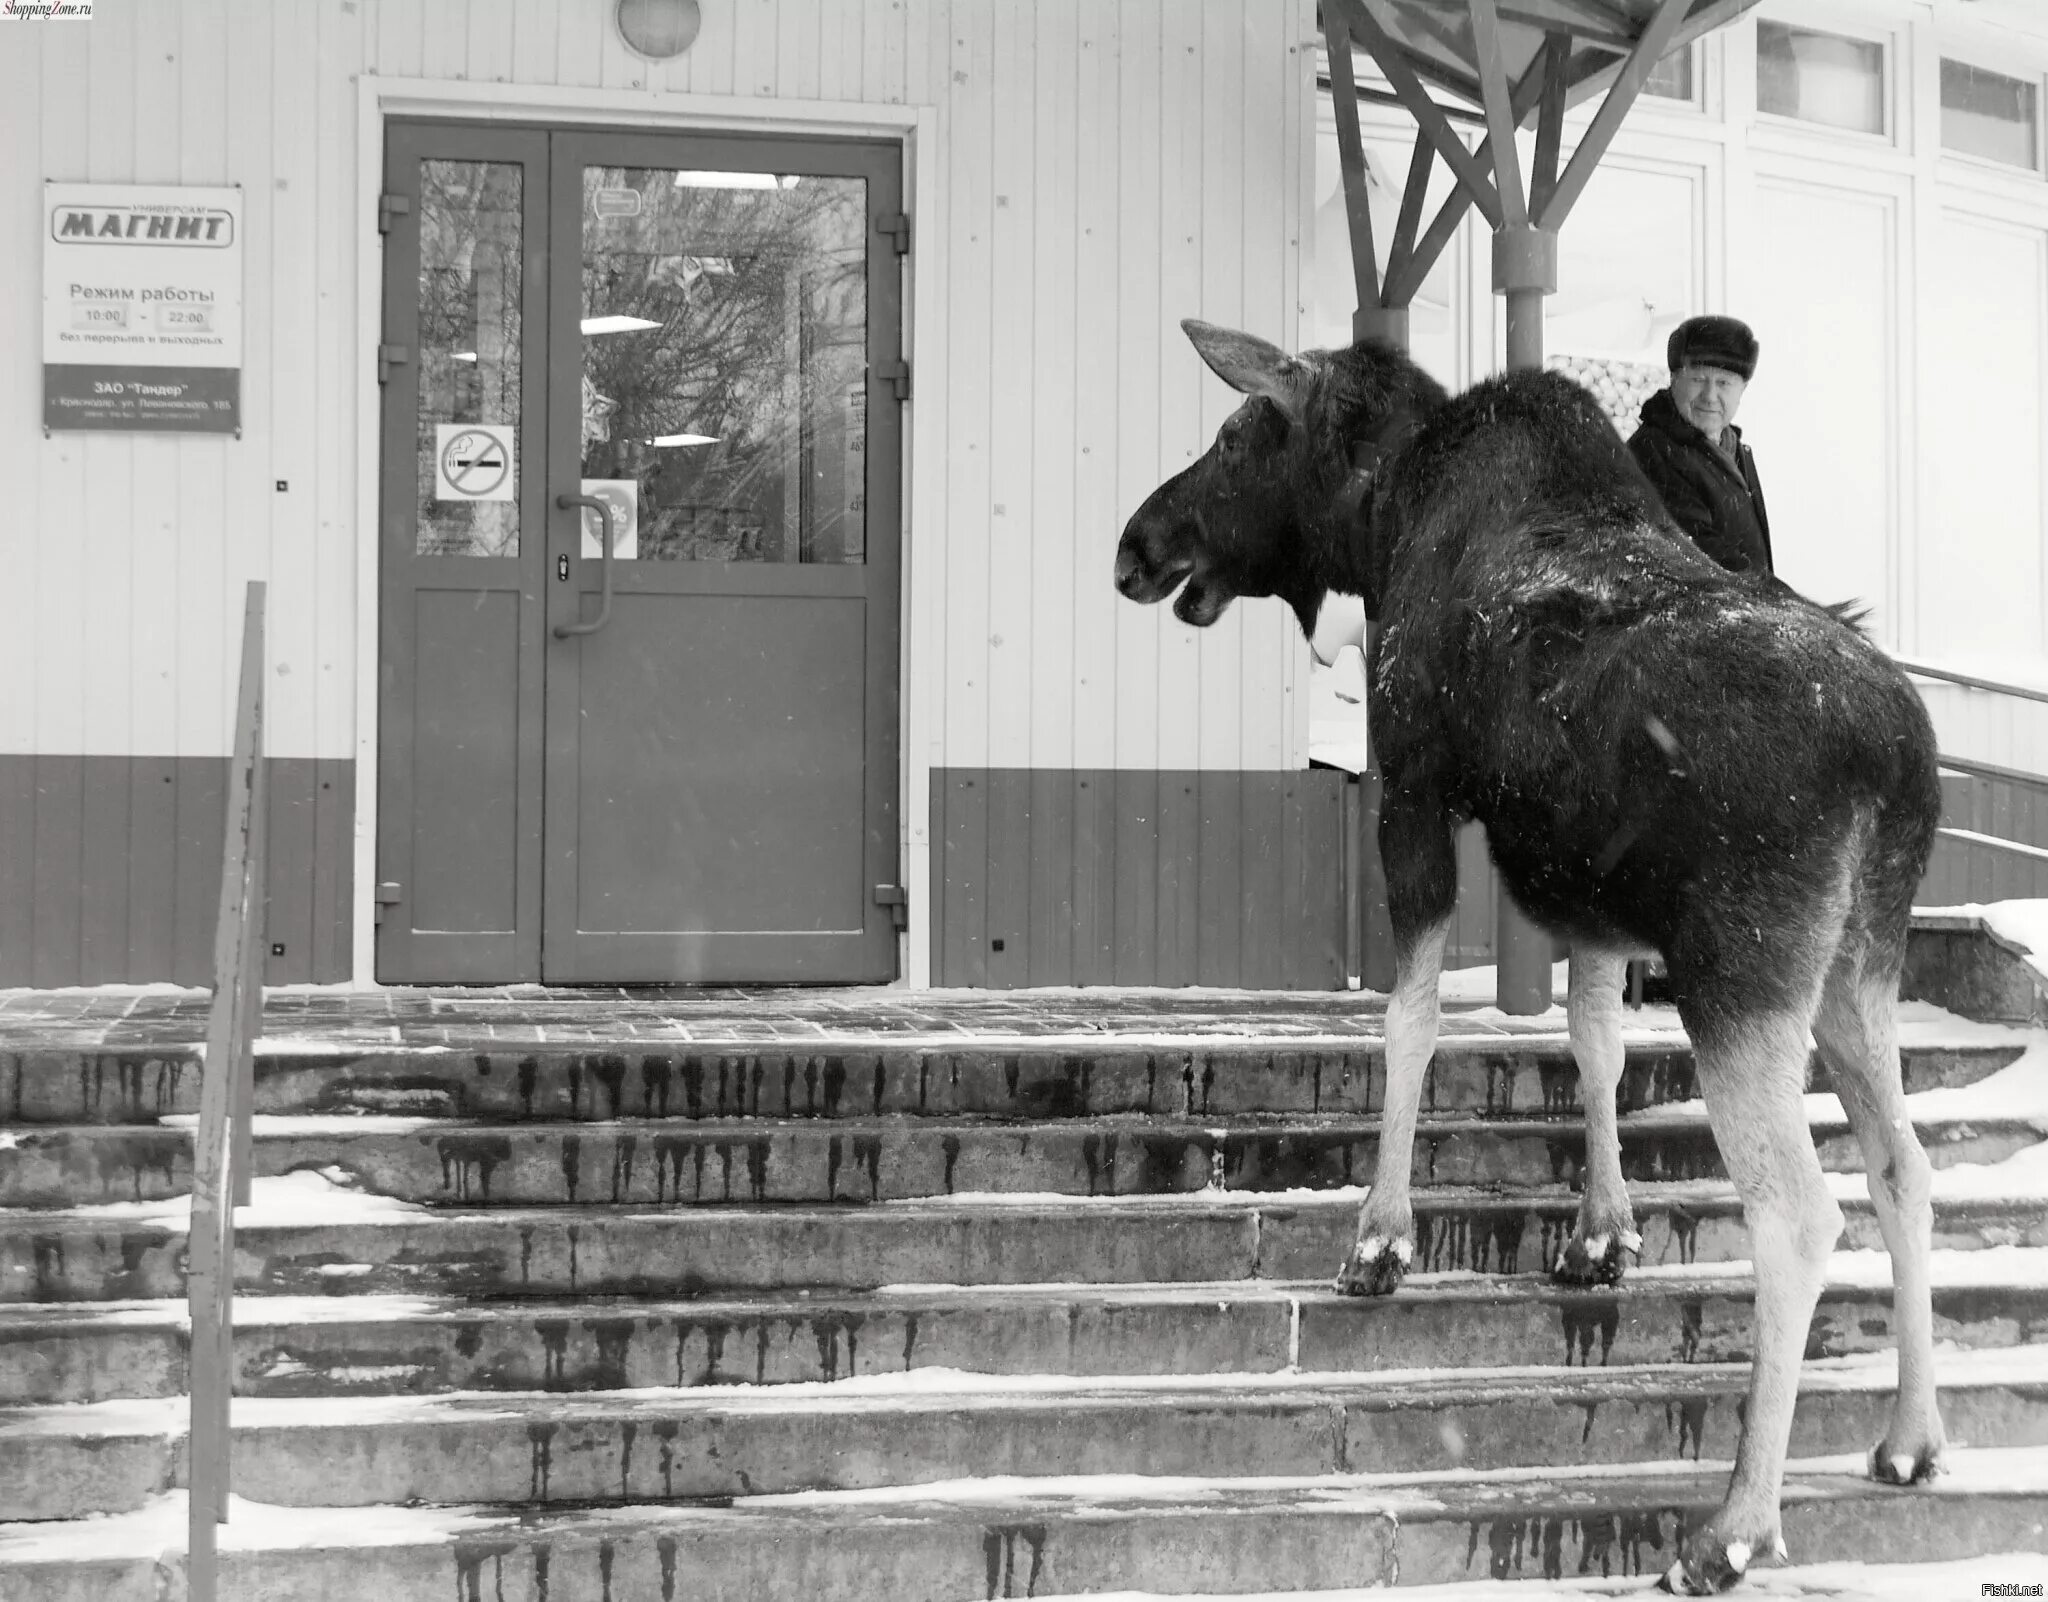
<point x="1706" y="397"/>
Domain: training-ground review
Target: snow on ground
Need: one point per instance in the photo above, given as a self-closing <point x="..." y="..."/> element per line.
<point x="160" y="987"/>
<point x="2018" y="1091"/>
<point x="306" y="1198"/>
<point x="1482" y="984"/>
<point x="2000" y="1266"/>
<point x="954" y="1388"/>
<point x="2024" y="924"/>
<point x="2021" y="1177"/>
<point x="309" y="1125"/>
<point x="159" y="1526"/>
<point x="1818" y="1582"/>
<point x="1971" y="1472"/>
<point x="1875" y="1371"/>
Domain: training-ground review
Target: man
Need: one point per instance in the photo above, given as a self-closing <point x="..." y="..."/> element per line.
<point x="1690" y="449"/>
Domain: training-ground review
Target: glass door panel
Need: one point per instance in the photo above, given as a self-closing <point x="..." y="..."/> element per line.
<point x="469" y="309"/>
<point x="724" y="383"/>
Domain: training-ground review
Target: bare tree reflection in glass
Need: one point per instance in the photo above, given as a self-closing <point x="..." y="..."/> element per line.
<point x="725" y="360"/>
<point x="469" y="371"/>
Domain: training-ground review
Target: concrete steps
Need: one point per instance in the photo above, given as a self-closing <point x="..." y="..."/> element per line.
<point x="309" y="1235"/>
<point x="869" y="1160"/>
<point x="1017" y="1537"/>
<point x="648" y="1445"/>
<point x="653" y="1078"/>
<point x="367" y="1344"/>
<point x="718" y="1297"/>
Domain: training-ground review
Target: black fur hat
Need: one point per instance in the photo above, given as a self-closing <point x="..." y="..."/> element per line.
<point x="1713" y="342"/>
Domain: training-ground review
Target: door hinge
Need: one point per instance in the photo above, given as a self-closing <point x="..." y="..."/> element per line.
<point x="893" y="897"/>
<point x="898" y="373"/>
<point x="390" y="208"/>
<point x="388" y="357"/>
<point x="897" y="226"/>
<point x="389" y="894"/>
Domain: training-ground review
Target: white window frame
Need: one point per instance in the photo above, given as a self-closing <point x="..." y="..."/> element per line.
<point x="1972" y="54"/>
<point x="1696" y="105"/>
<point x="1896" y="136"/>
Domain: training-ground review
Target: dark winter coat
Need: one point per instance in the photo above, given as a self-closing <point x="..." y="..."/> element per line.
<point x="1720" y="504"/>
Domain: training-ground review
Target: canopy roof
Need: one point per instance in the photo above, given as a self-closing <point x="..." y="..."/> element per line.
<point x="1440" y="42"/>
<point x="1503" y="64"/>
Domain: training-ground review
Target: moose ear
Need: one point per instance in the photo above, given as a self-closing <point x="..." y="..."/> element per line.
<point x="1249" y="365"/>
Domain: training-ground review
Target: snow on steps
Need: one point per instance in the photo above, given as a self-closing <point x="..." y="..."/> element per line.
<point x="1996" y="1296"/>
<point x="714" y="1442"/>
<point x="306" y="1233"/>
<point x="2024" y="1573"/>
<point x="832" y="1077"/>
<point x="869" y="1160"/>
<point x="998" y="1537"/>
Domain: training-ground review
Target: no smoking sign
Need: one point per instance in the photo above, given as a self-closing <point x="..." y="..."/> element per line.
<point x="473" y="462"/>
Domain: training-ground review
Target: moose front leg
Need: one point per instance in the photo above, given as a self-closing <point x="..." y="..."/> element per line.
<point x="1422" y="887"/>
<point x="1605" y="1237"/>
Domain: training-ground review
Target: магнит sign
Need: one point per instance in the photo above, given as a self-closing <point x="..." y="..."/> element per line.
<point x="142" y="308"/>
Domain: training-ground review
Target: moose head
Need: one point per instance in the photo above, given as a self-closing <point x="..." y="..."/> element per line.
<point x="1271" y="508"/>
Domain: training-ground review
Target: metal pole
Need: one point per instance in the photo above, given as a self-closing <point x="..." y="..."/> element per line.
<point x="1524" y="270"/>
<point x="1387" y="324"/>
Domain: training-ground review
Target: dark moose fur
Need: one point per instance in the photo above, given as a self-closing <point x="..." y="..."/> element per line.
<point x="1666" y="756"/>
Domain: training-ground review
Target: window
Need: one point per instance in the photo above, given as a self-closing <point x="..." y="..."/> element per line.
<point x="1820" y="77"/>
<point x="1987" y="114"/>
<point x="1671" y="78"/>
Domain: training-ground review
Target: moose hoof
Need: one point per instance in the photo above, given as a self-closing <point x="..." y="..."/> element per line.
<point x="1904" y="1465"/>
<point x="1376" y="1266"/>
<point x="1710" y="1562"/>
<point x="1600" y="1260"/>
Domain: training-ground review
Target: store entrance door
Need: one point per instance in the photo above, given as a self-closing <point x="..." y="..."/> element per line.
<point x="677" y="764"/>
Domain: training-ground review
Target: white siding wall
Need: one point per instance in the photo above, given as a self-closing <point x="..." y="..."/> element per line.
<point x="1106" y="168"/>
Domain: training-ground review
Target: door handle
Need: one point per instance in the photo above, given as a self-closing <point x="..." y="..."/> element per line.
<point x="604" y="611"/>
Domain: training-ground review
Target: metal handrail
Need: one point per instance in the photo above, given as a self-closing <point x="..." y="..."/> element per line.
<point x="1985" y="770"/>
<point x="1991" y="770"/>
<point x="1927" y="670"/>
<point x="220" y="1166"/>
<point x="2016" y="848"/>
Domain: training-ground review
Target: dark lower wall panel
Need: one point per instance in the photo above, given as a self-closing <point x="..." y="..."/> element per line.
<point x="110" y="868"/>
<point x="1111" y="876"/>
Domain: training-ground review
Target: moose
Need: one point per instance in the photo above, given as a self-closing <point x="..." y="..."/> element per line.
<point x="1667" y="757"/>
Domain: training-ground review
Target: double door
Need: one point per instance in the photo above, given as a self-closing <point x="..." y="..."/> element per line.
<point x="639" y="558"/>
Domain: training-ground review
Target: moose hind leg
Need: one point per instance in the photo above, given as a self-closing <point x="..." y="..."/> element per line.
<point x="1605" y="1236"/>
<point x="1752" y="1072"/>
<point x="1857" y="1032"/>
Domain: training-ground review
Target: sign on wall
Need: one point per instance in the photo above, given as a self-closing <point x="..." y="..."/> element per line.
<point x="142" y="308"/>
